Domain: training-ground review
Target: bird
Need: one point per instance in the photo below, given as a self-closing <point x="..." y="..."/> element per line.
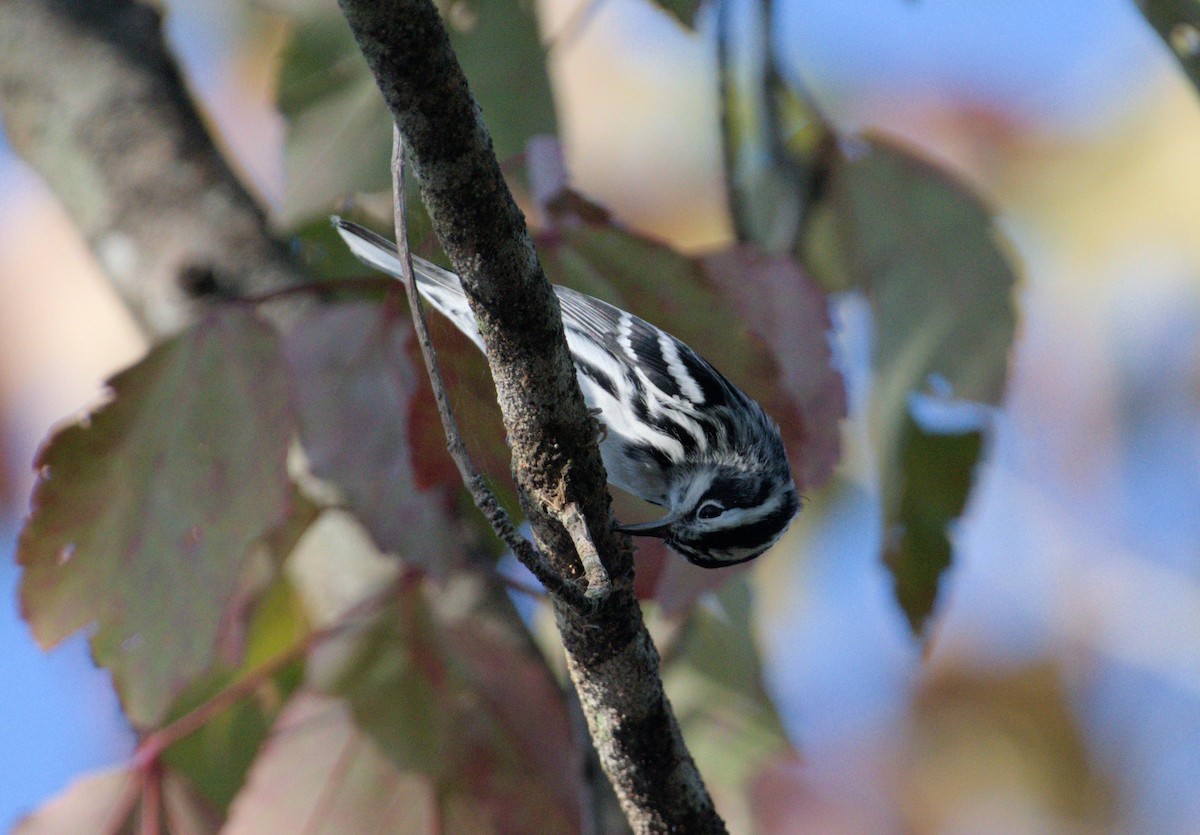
<point x="676" y="432"/>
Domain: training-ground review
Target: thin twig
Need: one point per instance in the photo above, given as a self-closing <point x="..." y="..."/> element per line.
<point x="482" y="495"/>
<point x="598" y="584"/>
<point x="515" y="585"/>
<point x="151" y="799"/>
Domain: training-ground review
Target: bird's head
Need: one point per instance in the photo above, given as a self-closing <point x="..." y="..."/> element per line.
<point x="723" y="514"/>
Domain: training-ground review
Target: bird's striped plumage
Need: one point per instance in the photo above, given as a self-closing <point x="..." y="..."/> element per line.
<point x="677" y="432"/>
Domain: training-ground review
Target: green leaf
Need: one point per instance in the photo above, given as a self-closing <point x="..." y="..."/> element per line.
<point x="355" y="387"/>
<point x="145" y="511"/>
<point x="937" y="472"/>
<point x="498" y="45"/>
<point x="216" y="757"/>
<point x="339" y="131"/>
<point x="1178" y="23"/>
<point x="926" y="252"/>
<point x="446" y="688"/>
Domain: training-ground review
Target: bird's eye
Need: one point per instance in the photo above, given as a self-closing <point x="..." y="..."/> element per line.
<point x="711" y="509"/>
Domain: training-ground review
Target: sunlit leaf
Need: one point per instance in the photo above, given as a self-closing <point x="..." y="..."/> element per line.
<point x="99" y="802"/>
<point x="1178" y="23"/>
<point x="320" y="774"/>
<point x="355" y="383"/>
<point x="144" y="512"/>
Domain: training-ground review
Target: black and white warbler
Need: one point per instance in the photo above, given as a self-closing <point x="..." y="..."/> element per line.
<point x="677" y="433"/>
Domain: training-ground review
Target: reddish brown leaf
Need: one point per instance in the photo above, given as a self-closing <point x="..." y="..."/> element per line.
<point x="144" y="512"/>
<point x="447" y="690"/>
<point x="789" y="313"/>
<point x="356" y="384"/>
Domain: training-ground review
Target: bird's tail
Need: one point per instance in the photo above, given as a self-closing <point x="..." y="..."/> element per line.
<point x="440" y="287"/>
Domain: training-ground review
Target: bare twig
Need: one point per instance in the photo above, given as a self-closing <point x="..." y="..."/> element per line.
<point x="482" y="495"/>
<point x="598" y="583"/>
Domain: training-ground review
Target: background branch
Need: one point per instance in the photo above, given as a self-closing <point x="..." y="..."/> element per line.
<point x="556" y="460"/>
<point x="91" y="97"/>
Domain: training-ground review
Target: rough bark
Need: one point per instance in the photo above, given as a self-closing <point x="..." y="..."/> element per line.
<point x="90" y="96"/>
<point x="556" y="460"/>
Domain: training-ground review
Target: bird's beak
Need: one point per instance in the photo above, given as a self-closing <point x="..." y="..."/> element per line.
<point x="657" y="527"/>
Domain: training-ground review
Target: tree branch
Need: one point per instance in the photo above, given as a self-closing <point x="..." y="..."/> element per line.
<point x="556" y="460"/>
<point x="483" y="497"/>
<point x="91" y="97"/>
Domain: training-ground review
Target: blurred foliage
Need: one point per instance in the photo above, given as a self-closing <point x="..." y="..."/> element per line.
<point x="339" y="134"/>
<point x="123" y="800"/>
<point x="714" y="679"/>
<point x="1178" y="23"/>
<point x="683" y="11"/>
<point x="777" y="146"/>
<point x="445" y="691"/>
<point x="217" y="756"/>
<point x="865" y="214"/>
<point x="355" y="386"/>
<point x="925" y="251"/>
<point x="1037" y="773"/>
